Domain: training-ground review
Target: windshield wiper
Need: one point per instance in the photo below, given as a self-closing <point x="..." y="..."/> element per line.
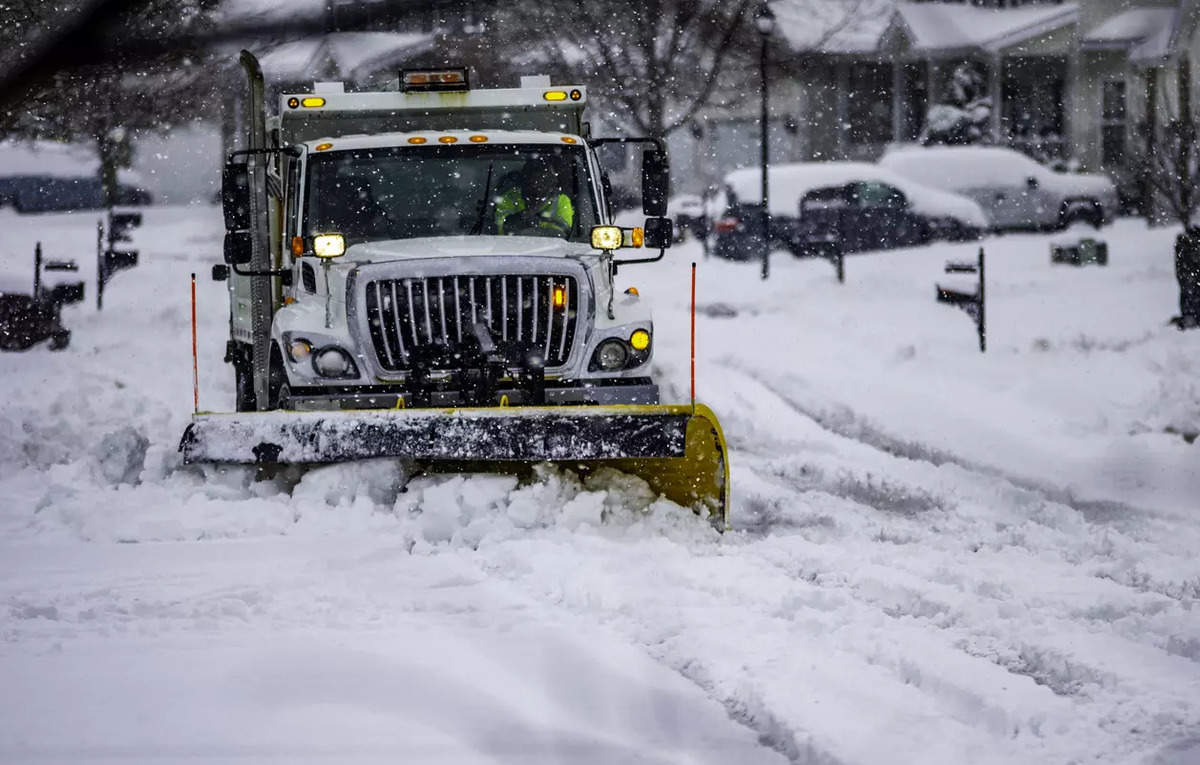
<point x="483" y="203"/>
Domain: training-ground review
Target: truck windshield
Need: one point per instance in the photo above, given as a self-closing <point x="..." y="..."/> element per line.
<point x="477" y="189"/>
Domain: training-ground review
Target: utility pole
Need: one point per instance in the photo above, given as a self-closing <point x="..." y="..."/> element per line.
<point x="764" y="20"/>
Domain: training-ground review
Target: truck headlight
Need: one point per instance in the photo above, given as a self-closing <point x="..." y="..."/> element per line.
<point x="299" y="349"/>
<point x="329" y="245"/>
<point x="611" y="355"/>
<point x="334" y="362"/>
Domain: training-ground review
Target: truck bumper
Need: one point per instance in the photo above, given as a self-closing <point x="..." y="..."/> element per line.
<point x="391" y="397"/>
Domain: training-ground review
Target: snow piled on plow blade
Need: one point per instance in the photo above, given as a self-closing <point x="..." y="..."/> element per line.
<point x="679" y="450"/>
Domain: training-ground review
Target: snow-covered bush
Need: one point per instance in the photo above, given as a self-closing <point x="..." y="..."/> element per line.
<point x="964" y="117"/>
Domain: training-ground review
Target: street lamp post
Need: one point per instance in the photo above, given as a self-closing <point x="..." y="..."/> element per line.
<point x="764" y="20"/>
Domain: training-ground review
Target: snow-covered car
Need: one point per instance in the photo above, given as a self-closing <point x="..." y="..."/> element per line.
<point x="687" y="210"/>
<point x="1015" y="191"/>
<point x="858" y="205"/>
<point x="44" y="176"/>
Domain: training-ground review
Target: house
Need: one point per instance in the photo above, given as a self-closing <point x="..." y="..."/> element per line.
<point x="1069" y="81"/>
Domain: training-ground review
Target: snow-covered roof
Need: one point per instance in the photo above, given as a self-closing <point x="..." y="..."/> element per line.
<point x="833" y="26"/>
<point x="953" y="26"/>
<point x="47" y="159"/>
<point x="1159" y="43"/>
<point x="351" y="54"/>
<point x="860" y="27"/>
<point x="1130" y="27"/>
<point x="1147" y="33"/>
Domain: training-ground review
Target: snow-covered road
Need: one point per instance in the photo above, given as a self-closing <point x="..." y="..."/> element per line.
<point x="938" y="557"/>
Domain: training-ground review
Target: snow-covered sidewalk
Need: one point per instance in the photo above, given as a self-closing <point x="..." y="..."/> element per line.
<point x="940" y="556"/>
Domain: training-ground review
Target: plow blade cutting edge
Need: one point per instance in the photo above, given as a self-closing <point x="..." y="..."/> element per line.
<point x="678" y="449"/>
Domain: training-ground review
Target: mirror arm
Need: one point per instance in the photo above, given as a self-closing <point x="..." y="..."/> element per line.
<point x="282" y="273"/>
<point x="291" y="151"/>
<point x="655" y="259"/>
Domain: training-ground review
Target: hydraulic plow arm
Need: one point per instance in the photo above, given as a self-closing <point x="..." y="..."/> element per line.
<point x="678" y="450"/>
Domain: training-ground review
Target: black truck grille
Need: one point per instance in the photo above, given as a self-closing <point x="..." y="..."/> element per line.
<point x="430" y="320"/>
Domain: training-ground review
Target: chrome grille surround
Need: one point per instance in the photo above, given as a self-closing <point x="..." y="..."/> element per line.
<point x="408" y="309"/>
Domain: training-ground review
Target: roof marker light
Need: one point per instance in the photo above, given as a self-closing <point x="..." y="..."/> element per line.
<point x="447" y="139"/>
<point x="416" y="80"/>
<point x="417" y="139"/>
<point x="478" y="139"/>
<point x="555" y="95"/>
<point x="568" y="139"/>
<point x="312" y="101"/>
<point x="323" y="147"/>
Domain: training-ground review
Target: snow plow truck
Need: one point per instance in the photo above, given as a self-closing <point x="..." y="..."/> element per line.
<point x="427" y="274"/>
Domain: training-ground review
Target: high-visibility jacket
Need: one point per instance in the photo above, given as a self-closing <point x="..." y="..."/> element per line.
<point x="556" y="215"/>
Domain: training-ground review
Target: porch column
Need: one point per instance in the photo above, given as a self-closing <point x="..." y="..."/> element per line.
<point x="898" y="104"/>
<point x="933" y="92"/>
<point x="996" y="89"/>
<point x="1082" y="138"/>
<point x="843" y="111"/>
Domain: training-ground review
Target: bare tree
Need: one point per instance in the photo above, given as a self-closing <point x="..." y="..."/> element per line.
<point x="661" y="62"/>
<point x="658" y="61"/>
<point x="107" y="103"/>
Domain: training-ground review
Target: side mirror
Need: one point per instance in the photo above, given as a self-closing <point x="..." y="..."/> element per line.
<point x="1031" y="183"/>
<point x="656" y="180"/>
<point x="235" y="196"/>
<point x="238" y="247"/>
<point x="658" y="233"/>
<point x="220" y="272"/>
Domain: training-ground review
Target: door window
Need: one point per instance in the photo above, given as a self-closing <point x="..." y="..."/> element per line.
<point x="878" y="195"/>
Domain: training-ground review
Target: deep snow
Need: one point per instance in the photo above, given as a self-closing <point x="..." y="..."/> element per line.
<point x="939" y="556"/>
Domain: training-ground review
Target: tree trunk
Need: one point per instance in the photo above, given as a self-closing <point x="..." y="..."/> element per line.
<point x="1187" y="245"/>
<point x="1187" y="272"/>
<point x="108" y="149"/>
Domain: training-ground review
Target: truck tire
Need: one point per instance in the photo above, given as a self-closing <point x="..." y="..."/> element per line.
<point x="279" y="391"/>
<point x="243" y="385"/>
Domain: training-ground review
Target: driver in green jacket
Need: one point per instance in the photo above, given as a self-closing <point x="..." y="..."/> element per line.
<point x="538" y="206"/>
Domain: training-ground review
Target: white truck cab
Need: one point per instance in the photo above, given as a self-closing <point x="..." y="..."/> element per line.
<point x="438" y="246"/>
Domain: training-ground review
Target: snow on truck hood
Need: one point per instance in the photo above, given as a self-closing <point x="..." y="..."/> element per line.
<point x="466" y="246"/>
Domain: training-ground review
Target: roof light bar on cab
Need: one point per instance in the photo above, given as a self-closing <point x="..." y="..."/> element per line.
<point x="416" y="80"/>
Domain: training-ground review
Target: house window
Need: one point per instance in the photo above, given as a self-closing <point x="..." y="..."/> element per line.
<point x="1112" y="125"/>
<point x="869" y="107"/>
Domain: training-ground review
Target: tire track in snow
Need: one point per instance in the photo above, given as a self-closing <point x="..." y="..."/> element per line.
<point x="841" y="420"/>
<point x="1055" y="666"/>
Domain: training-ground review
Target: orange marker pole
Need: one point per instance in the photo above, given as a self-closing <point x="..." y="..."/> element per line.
<point x="195" y="366"/>
<point x="693" y="337"/>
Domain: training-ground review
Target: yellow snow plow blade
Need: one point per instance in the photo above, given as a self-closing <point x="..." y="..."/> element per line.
<point x="678" y="449"/>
